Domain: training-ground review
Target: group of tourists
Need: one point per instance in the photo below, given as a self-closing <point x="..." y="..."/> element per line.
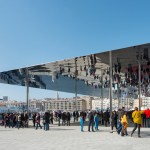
<point x="119" y="120"/>
<point x="15" y="120"/>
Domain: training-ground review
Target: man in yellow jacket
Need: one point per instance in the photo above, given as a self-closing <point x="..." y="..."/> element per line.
<point x="137" y="119"/>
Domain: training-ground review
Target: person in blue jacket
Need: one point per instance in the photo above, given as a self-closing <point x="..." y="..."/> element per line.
<point x="81" y="122"/>
<point x="96" y="120"/>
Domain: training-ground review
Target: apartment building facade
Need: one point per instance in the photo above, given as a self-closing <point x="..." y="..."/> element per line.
<point x="65" y="105"/>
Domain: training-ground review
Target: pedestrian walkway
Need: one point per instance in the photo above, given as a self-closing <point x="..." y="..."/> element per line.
<point x="70" y="138"/>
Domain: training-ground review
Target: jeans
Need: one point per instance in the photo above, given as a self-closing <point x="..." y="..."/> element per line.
<point x="148" y="122"/>
<point x="46" y="126"/>
<point x="58" y="121"/>
<point x="74" y="118"/>
<point x="20" y="124"/>
<point x="89" y="125"/>
<point x="144" y="120"/>
<point x="63" y="122"/>
<point x="10" y="123"/>
<point x="81" y="125"/>
<point x="38" y="125"/>
<point x="119" y="128"/>
<point x="33" y="123"/>
<point x="68" y="122"/>
<point x="96" y="125"/>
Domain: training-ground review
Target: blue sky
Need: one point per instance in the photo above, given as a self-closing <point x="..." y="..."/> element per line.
<point x="34" y="32"/>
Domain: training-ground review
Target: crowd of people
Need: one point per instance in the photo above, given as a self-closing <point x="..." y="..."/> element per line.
<point x="15" y="120"/>
<point x="118" y="119"/>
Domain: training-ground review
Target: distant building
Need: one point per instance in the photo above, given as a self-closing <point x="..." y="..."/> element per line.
<point x="37" y="105"/>
<point x="88" y="101"/>
<point x="104" y="104"/>
<point x="65" y="105"/>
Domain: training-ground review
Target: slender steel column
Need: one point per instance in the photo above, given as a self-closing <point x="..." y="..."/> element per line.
<point x="27" y="91"/>
<point x="102" y="94"/>
<point x="76" y="83"/>
<point x="110" y="76"/>
<point x="139" y="74"/>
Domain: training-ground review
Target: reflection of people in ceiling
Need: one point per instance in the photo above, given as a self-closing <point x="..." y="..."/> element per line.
<point x="38" y="79"/>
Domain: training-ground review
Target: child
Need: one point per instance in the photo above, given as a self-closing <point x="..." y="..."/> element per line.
<point x="124" y="121"/>
<point x="81" y="123"/>
<point x="96" y="120"/>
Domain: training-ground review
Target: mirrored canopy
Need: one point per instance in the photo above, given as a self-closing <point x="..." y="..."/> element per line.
<point x="90" y="72"/>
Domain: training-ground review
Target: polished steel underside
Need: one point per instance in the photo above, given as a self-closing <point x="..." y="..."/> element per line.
<point x="90" y="72"/>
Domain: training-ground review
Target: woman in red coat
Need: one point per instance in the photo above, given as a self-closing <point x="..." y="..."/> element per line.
<point x="147" y="113"/>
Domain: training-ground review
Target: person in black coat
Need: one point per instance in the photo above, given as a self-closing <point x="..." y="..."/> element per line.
<point x="74" y="116"/>
<point x="34" y="119"/>
<point x="59" y="117"/>
<point x="106" y="118"/>
<point x="91" y="121"/>
<point x="68" y="118"/>
<point x="46" y="121"/>
<point x="114" y="118"/>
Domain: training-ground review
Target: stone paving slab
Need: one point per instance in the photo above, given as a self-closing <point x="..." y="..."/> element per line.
<point x="70" y="138"/>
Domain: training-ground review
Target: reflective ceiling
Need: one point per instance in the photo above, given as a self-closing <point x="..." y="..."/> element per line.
<point x="90" y="72"/>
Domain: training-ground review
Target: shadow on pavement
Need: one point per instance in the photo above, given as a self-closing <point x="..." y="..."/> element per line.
<point x="58" y="129"/>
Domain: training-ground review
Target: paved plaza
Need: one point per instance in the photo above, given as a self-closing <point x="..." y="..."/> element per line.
<point x="70" y="138"/>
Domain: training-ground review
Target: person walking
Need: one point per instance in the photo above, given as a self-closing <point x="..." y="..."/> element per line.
<point x="19" y="121"/>
<point x="137" y="119"/>
<point x="147" y="117"/>
<point x="34" y="119"/>
<point x="59" y="117"/>
<point x="91" y="121"/>
<point x="74" y="116"/>
<point x="96" y="121"/>
<point x="6" y="120"/>
<point x="114" y="118"/>
<point x="46" y="121"/>
<point x="106" y="116"/>
<point x="26" y="120"/>
<point x="38" y="119"/>
<point x="124" y="121"/>
<point x="68" y="118"/>
<point x="81" y="122"/>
